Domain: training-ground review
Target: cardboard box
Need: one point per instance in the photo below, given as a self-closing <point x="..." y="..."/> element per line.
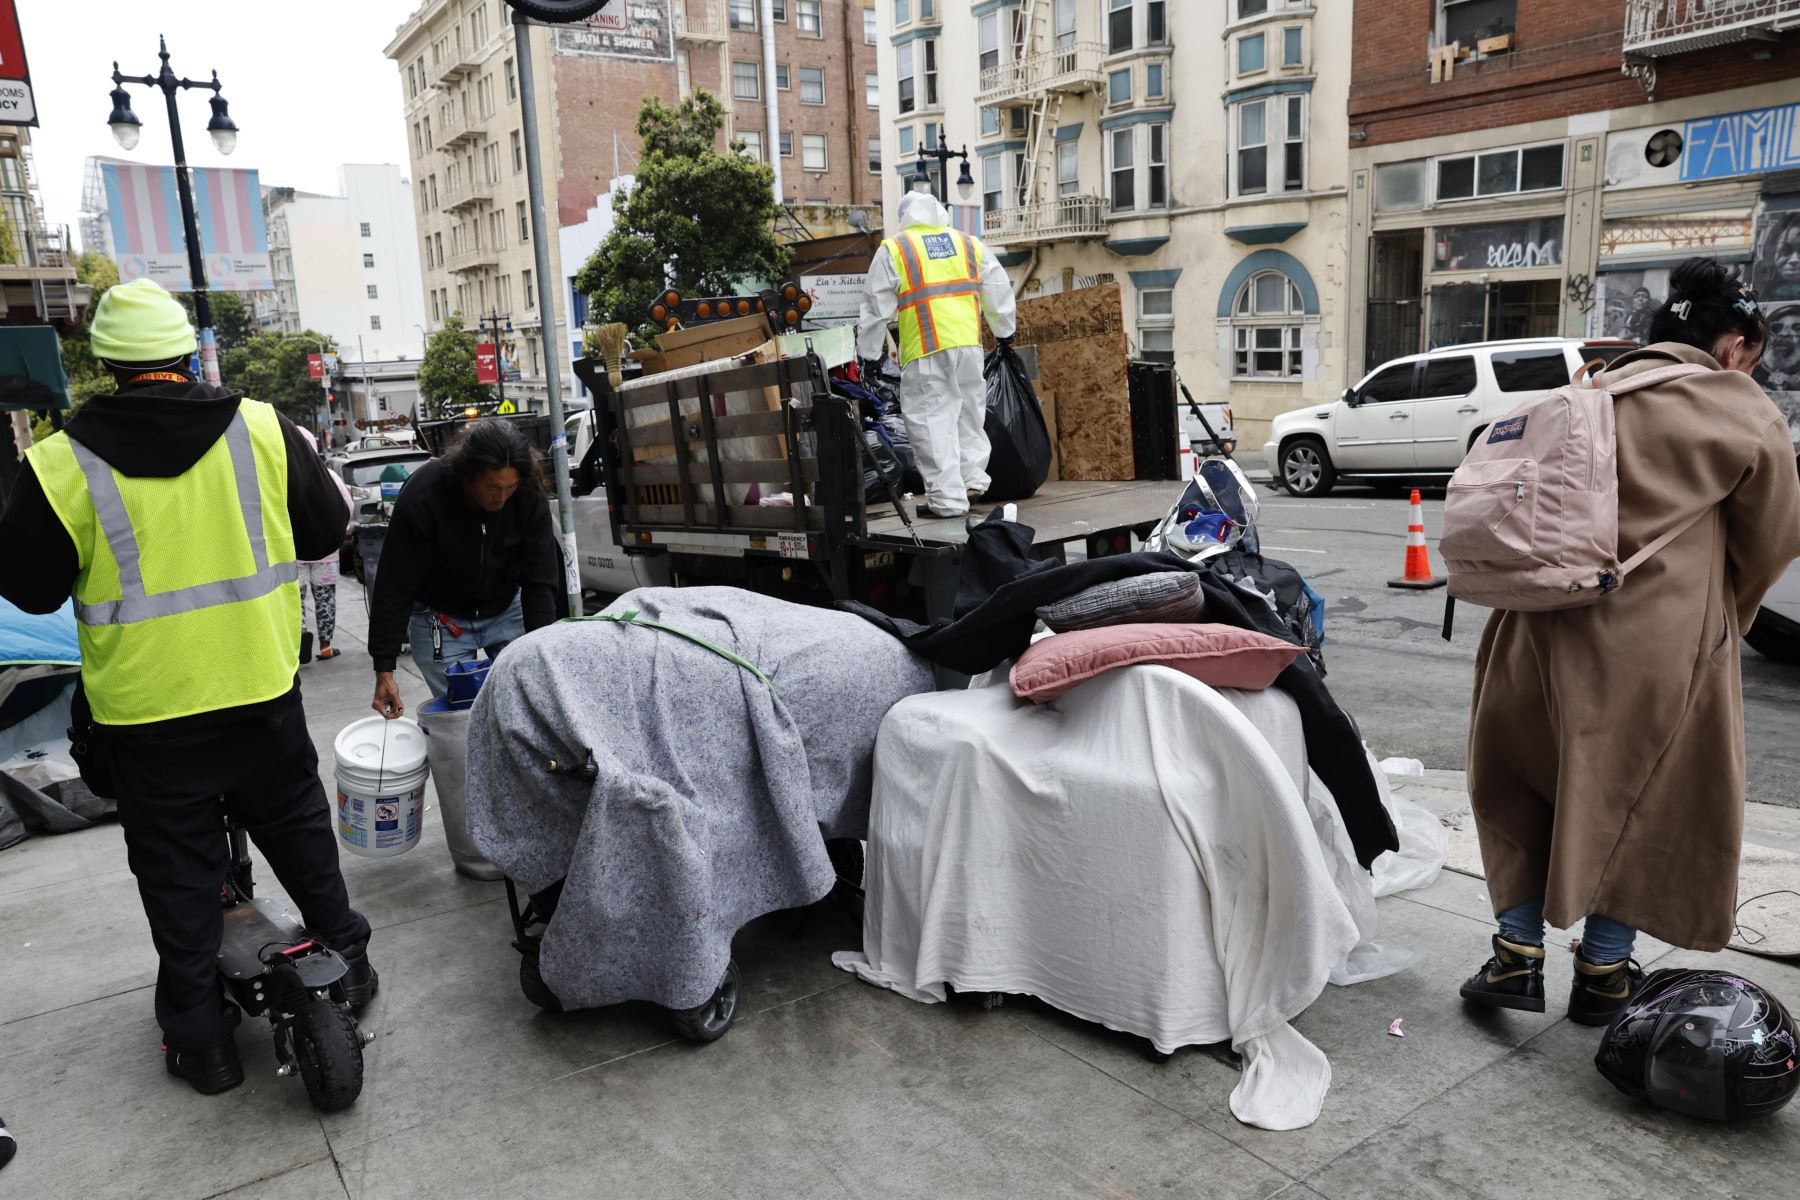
<point x="714" y="340"/>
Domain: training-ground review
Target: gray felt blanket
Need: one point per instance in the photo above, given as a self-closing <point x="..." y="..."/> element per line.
<point x="715" y="792"/>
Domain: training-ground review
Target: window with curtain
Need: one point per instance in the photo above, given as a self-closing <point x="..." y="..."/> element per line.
<point x="746" y="81"/>
<point x="987" y="40"/>
<point x="1270" y="150"/>
<point x="743" y="14"/>
<point x="812" y="85"/>
<point x="993" y="183"/>
<point x="813" y="155"/>
<point x="752" y="139"/>
<point x="1068" y="168"/>
<point x="806" y="18"/>
<point x="872" y="90"/>
<point x="1156" y="325"/>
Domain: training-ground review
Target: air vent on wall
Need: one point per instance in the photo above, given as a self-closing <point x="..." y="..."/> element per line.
<point x="1663" y="148"/>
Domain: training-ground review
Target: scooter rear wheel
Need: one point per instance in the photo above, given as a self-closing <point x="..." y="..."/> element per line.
<point x="328" y="1052"/>
<point x="531" y="982"/>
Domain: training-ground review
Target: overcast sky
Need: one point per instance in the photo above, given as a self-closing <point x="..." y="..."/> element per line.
<point x="306" y="81"/>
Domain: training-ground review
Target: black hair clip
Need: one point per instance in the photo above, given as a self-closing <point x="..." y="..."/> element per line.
<point x="1681" y="309"/>
<point x="1746" y="303"/>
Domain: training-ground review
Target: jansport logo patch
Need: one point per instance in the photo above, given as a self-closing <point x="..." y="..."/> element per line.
<point x="1507" y="431"/>
<point x="939" y="245"/>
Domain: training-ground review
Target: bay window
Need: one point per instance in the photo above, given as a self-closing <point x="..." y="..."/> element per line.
<point x="987" y="35"/>
<point x="1156" y="325"/>
<point x="1118" y="26"/>
<point x="1139" y="167"/>
<point x="993" y="186"/>
<point x="1124" y="172"/>
<point x="1068" y="168"/>
<point x="1270" y="150"/>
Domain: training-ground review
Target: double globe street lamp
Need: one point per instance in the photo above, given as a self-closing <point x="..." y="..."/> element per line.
<point x="921" y="178"/>
<point x="126" y="130"/>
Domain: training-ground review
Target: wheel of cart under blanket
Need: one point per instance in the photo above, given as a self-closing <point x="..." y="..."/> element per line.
<point x="709" y="1021"/>
<point x="531" y="982"/>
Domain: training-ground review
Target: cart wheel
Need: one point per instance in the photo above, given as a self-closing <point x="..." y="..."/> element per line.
<point x="709" y="1021"/>
<point x="985" y="1001"/>
<point x="1154" y="1055"/>
<point x="531" y="981"/>
<point x="328" y="1051"/>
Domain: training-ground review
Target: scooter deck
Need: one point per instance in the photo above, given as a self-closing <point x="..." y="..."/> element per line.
<point x="250" y="926"/>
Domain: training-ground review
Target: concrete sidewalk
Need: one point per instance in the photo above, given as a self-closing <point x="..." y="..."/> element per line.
<point x="825" y="1088"/>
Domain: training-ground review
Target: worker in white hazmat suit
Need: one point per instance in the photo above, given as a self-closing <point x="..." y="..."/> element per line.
<point x="938" y="281"/>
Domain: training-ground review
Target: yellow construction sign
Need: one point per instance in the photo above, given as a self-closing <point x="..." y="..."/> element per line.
<point x="507" y="408"/>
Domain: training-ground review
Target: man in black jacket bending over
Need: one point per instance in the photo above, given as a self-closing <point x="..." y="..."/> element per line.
<point x="470" y="561"/>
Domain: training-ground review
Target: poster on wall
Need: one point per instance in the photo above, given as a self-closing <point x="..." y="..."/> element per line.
<point x="1625" y="302"/>
<point x="1777" y="273"/>
<point x="1775" y="277"/>
<point x="1779" y="371"/>
<point x="144" y="216"/>
<point x="636" y="29"/>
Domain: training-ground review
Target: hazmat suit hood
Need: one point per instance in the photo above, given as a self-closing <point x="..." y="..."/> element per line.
<point x="922" y="209"/>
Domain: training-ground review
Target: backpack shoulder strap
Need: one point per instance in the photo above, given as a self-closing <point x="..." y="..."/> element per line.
<point x="1642" y="556"/>
<point x="1651" y="378"/>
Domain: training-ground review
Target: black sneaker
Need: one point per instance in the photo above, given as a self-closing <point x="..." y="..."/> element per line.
<point x="1601" y="990"/>
<point x="361" y="982"/>
<point x="1512" y="978"/>
<point x="7" y="1145"/>
<point x="211" y="1071"/>
<point x="305" y="647"/>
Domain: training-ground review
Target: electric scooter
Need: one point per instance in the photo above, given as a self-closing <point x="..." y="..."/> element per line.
<point x="269" y="967"/>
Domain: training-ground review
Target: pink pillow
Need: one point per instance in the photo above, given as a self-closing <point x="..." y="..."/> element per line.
<point x="1220" y="655"/>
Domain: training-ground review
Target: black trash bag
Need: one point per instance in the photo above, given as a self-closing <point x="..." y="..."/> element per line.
<point x="1020" y="459"/>
<point x="888" y="442"/>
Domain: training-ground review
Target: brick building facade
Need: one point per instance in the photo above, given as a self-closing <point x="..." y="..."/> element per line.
<point x="827" y="144"/>
<point x="1535" y="167"/>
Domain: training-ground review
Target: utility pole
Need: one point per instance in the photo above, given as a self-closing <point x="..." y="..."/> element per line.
<point x="540" y="238"/>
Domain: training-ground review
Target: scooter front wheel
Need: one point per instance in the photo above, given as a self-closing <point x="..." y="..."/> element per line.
<point x="328" y="1052"/>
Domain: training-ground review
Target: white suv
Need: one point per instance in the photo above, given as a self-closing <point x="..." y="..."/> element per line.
<point x="1417" y="416"/>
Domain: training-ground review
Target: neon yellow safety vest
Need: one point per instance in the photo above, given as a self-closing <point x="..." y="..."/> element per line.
<point x="940" y="290"/>
<point x="187" y="598"/>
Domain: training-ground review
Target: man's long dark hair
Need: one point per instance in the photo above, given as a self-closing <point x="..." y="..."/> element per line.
<point x="492" y="444"/>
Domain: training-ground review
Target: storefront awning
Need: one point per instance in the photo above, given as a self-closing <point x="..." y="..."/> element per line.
<point x="31" y="369"/>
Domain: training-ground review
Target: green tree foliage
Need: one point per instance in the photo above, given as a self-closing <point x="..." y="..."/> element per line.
<point x="272" y="367"/>
<point x="698" y="219"/>
<point x="447" y="372"/>
<point x="96" y="271"/>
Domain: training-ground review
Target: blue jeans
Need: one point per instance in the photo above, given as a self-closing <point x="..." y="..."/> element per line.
<point x="490" y="634"/>
<point x="1603" y="940"/>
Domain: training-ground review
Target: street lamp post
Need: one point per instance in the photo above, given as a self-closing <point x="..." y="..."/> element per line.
<point x="921" y="179"/>
<point x="494" y="321"/>
<point x="126" y="128"/>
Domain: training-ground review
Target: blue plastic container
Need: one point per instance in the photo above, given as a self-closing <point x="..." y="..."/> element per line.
<point x="465" y="680"/>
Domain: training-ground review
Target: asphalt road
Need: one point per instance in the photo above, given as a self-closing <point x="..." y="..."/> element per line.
<point x="1407" y="687"/>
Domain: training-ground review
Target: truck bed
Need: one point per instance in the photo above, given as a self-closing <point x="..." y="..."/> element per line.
<point x="1060" y="512"/>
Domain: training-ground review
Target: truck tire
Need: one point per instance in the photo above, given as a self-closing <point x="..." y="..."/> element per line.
<point x="1776" y="642"/>
<point x="1305" y="468"/>
<point x="558" y="12"/>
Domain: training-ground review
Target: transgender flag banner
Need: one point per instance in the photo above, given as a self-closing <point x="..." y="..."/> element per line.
<point x="144" y="221"/>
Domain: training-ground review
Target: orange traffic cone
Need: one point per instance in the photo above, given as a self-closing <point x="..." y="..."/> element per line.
<point x="1418" y="575"/>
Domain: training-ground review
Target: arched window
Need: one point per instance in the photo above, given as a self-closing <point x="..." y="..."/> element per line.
<point x="1266" y="319"/>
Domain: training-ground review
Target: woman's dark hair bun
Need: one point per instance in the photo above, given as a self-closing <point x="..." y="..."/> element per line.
<point x="1703" y="279"/>
<point x="1707" y="301"/>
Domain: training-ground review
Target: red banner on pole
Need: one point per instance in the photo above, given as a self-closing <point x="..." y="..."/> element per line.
<point x="487" y="364"/>
<point x="17" y="107"/>
<point x="315" y="366"/>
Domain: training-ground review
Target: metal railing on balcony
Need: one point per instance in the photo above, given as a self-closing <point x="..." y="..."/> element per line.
<point x="700" y="20"/>
<point x="472" y="260"/>
<point x="1658" y="28"/>
<point x="468" y="193"/>
<point x="459" y="127"/>
<point x="45" y="246"/>
<point x="1071" y="68"/>
<point x="456" y="63"/>
<point x="1062" y="219"/>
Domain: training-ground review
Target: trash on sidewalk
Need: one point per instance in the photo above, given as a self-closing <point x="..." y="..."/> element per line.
<point x="1394" y="1029"/>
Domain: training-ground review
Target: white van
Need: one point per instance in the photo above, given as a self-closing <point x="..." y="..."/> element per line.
<point x="1415" y="417"/>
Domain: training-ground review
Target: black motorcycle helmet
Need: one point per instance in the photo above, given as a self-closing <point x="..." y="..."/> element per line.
<point x="1705" y="1043"/>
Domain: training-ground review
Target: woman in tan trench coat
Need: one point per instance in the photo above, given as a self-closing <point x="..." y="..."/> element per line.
<point x="1606" y="749"/>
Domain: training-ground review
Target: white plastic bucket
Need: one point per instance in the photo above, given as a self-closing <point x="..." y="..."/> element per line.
<point x="381" y="772"/>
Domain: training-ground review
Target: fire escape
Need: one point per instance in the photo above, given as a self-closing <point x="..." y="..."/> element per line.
<point x="1045" y="73"/>
<point x="1658" y="29"/>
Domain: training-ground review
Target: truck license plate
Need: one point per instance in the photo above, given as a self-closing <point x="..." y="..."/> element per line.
<point x="793" y="545"/>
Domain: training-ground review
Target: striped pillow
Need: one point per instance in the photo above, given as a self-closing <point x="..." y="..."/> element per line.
<point x="1171" y="597"/>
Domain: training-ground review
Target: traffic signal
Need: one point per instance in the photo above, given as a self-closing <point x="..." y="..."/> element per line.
<point x="331" y="402"/>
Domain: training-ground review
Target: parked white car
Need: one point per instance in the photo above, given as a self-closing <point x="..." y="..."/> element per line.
<point x="1415" y="417"/>
<point x="1776" y="633"/>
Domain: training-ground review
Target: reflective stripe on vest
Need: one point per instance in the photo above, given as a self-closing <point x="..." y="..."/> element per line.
<point x="939" y="299"/>
<point x="115" y="524"/>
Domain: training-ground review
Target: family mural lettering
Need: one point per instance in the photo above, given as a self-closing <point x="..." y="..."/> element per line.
<point x="1744" y="143"/>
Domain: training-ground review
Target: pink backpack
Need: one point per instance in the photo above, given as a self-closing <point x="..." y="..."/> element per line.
<point x="1531" y="522"/>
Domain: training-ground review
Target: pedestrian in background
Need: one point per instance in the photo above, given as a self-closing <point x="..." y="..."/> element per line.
<point x="471" y="560"/>
<point x="1606" y="747"/>
<point x="319" y="580"/>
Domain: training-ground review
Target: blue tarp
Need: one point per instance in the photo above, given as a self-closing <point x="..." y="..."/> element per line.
<point x="26" y="639"/>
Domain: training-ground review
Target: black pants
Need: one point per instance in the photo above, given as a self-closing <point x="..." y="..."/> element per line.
<point x="169" y="786"/>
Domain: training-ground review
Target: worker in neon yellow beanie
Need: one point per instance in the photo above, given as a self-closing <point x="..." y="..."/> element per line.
<point x="175" y="514"/>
